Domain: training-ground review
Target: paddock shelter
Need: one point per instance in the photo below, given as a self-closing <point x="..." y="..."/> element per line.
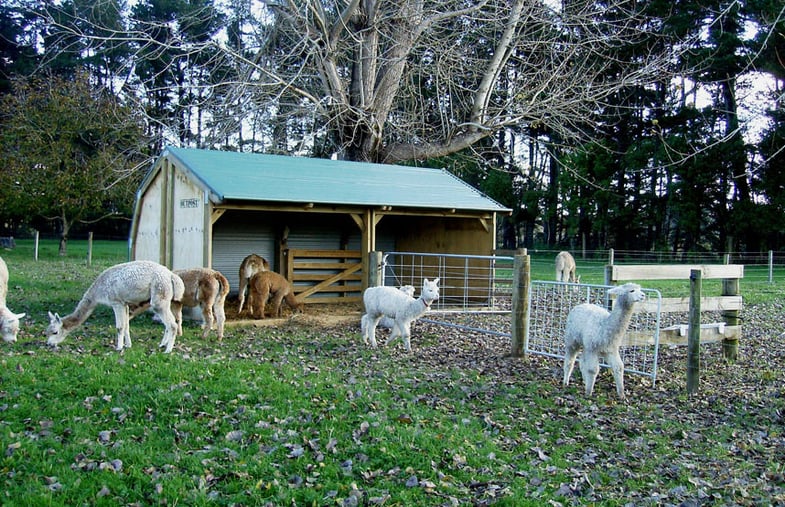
<point x="314" y="220"/>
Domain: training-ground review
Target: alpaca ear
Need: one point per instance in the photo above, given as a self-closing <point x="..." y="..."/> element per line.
<point x="53" y="317"/>
<point x="436" y="280"/>
<point x="20" y="316"/>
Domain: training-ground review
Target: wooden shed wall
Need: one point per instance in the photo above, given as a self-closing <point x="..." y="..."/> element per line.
<point x="147" y="243"/>
<point x="188" y="223"/>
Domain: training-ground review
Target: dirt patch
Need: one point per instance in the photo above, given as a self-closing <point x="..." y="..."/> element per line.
<point x="316" y="315"/>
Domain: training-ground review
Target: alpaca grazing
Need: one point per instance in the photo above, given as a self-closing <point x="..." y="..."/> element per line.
<point x="124" y="287"/>
<point x="251" y="265"/>
<point x="599" y="333"/>
<point x="270" y="283"/>
<point x="9" y="321"/>
<point x="565" y="268"/>
<point x="400" y="307"/>
<point x="207" y="289"/>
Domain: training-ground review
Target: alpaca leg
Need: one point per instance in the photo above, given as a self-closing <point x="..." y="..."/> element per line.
<point x="177" y="311"/>
<point x="363" y="327"/>
<point x="277" y="303"/>
<point x="261" y="303"/>
<point x="170" y="323"/>
<point x="570" y="355"/>
<point x="220" y="318"/>
<point x="207" y="315"/>
<point x="395" y="333"/>
<point x="165" y="313"/>
<point x="370" y="330"/>
<point x="407" y="335"/>
<point x="127" y="327"/>
<point x="590" y="368"/>
<point x="617" y="368"/>
<point x="243" y="284"/>
<point x="121" y="313"/>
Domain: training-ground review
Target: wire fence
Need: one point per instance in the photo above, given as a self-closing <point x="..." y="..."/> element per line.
<point x="551" y="302"/>
<point x="476" y="295"/>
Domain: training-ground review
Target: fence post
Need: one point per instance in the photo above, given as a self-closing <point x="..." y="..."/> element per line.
<point x="730" y="346"/>
<point x="771" y="266"/>
<point x="90" y="248"/>
<point x="520" y="303"/>
<point x="694" y="332"/>
<point x="375" y="269"/>
<point x="35" y="245"/>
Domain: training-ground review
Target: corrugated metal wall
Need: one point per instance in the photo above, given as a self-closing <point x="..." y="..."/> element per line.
<point x="237" y="235"/>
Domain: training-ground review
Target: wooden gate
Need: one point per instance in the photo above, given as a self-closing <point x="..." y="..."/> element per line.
<point x="325" y="276"/>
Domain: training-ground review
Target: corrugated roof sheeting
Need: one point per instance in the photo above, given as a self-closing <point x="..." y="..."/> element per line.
<point x="277" y="178"/>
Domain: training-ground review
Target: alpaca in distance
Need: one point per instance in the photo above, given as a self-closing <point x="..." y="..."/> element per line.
<point x="598" y="333"/>
<point x="400" y="307"/>
<point x="9" y="321"/>
<point x="269" y="283"/>
<point x="122" y="287"/>
<point x="251" y="265"/>
<point x="565" y="268"/>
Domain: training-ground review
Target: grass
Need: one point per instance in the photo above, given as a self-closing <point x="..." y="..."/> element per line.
<point x="297" y="415"/>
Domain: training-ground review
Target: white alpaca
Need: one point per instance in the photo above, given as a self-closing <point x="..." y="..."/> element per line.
<point x="386" y="322"/>
<point x="9" y="321"/>
<point x="251" y="265"/>
<point x="131" y="284"/>
<point x="565" y="268"/>
<point x="599" y="333"/>
<point x="400" y="307"/>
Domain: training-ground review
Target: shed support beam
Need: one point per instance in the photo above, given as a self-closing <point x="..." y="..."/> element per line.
<point x="367" y="222"/>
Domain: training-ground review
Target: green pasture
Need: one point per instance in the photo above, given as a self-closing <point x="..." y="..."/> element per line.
<point x="299" y="415"/>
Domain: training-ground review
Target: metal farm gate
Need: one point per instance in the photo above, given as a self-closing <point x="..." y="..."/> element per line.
<point x="476" y="295"/>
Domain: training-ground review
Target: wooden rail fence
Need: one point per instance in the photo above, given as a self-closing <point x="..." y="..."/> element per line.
<point x="325" y="276"/>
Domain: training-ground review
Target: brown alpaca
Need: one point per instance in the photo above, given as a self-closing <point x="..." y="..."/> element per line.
<point x="267" y="283"/>
<point x="207" y="289"/>
<point x="251" y="265"/>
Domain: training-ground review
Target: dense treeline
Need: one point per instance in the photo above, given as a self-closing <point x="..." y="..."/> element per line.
<point x="643" y="125"/>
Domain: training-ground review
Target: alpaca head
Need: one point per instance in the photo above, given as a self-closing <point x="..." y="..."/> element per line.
<point x="630" y="292"/>
<point x="430" y="290"/>
<point x="54" y="331"/>
<point x="9" y="324"/>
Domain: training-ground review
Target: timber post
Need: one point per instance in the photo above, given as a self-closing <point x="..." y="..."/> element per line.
<point x="520" y="302"/>
<point x="694" y="332"/>
<point x="730" y="345"/>
<point x="375" y="269"/>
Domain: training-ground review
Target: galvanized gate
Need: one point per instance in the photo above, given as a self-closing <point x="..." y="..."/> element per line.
<point x="476" y="295"/>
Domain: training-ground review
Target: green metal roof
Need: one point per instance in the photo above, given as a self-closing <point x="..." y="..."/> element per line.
<point x="276" y="178"/>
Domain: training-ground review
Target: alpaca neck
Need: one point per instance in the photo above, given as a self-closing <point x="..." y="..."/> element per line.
<point x="80" y="314"/>
<point x="618" y="320"/>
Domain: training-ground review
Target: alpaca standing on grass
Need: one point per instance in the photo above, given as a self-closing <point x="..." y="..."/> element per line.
<point x="395" y="304"/>
<point x="565" y="268"/>
<point x="599" y="333"/>
<point x="122" y="287"/>
<point x="207" y="289"/>
<point x="386" y="322"/>
<point x="251" y="265"/>
<point x="9" y="321"/>
<point x="267" y="283"/>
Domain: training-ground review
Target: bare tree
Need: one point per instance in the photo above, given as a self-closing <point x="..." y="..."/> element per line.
<point x="395" y="80"/>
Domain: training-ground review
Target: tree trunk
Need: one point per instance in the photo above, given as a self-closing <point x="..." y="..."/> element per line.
<point x="65" y="229"/>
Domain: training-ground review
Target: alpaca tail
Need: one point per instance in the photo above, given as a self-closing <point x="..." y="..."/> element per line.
<point x="223" y="285"/>
<point x="178" y="288"/>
